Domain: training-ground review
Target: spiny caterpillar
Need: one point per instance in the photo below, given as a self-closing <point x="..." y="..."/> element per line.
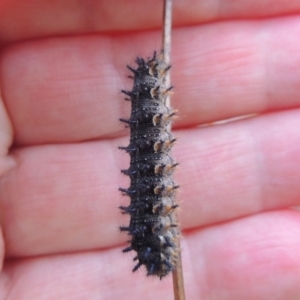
<point x="153" y="229"/>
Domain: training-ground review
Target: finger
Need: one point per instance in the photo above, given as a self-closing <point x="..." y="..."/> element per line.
<point x="22" y="20"/>
<point x="252" y="258"/>
<point x="60" y="189"/>
<point x="65" y="197"/>
<point x="242" y="259"/>
<point x="241" y="168"/>
<point x="69" y="89"/>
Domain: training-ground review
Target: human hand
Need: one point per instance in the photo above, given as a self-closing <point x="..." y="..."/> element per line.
<point x="62" y="65"/>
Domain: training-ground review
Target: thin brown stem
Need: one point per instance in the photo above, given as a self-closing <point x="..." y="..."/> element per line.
<point x="166" y="39"/>
<point x="177" y="274"/>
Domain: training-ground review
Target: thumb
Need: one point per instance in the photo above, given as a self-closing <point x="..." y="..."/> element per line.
<point x="6" y="161"/>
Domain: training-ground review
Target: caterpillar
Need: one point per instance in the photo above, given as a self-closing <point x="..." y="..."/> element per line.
<point x="152" y="228"/>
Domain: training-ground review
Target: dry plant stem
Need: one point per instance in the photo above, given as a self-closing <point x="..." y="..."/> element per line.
<point x="166" y="39"/>
<point x="177" y="274"/>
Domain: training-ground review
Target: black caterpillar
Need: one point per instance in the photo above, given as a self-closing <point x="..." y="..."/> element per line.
<point x="152" y="227"/>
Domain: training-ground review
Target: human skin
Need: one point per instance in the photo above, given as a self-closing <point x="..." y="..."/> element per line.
<point x="63" y="64"/>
